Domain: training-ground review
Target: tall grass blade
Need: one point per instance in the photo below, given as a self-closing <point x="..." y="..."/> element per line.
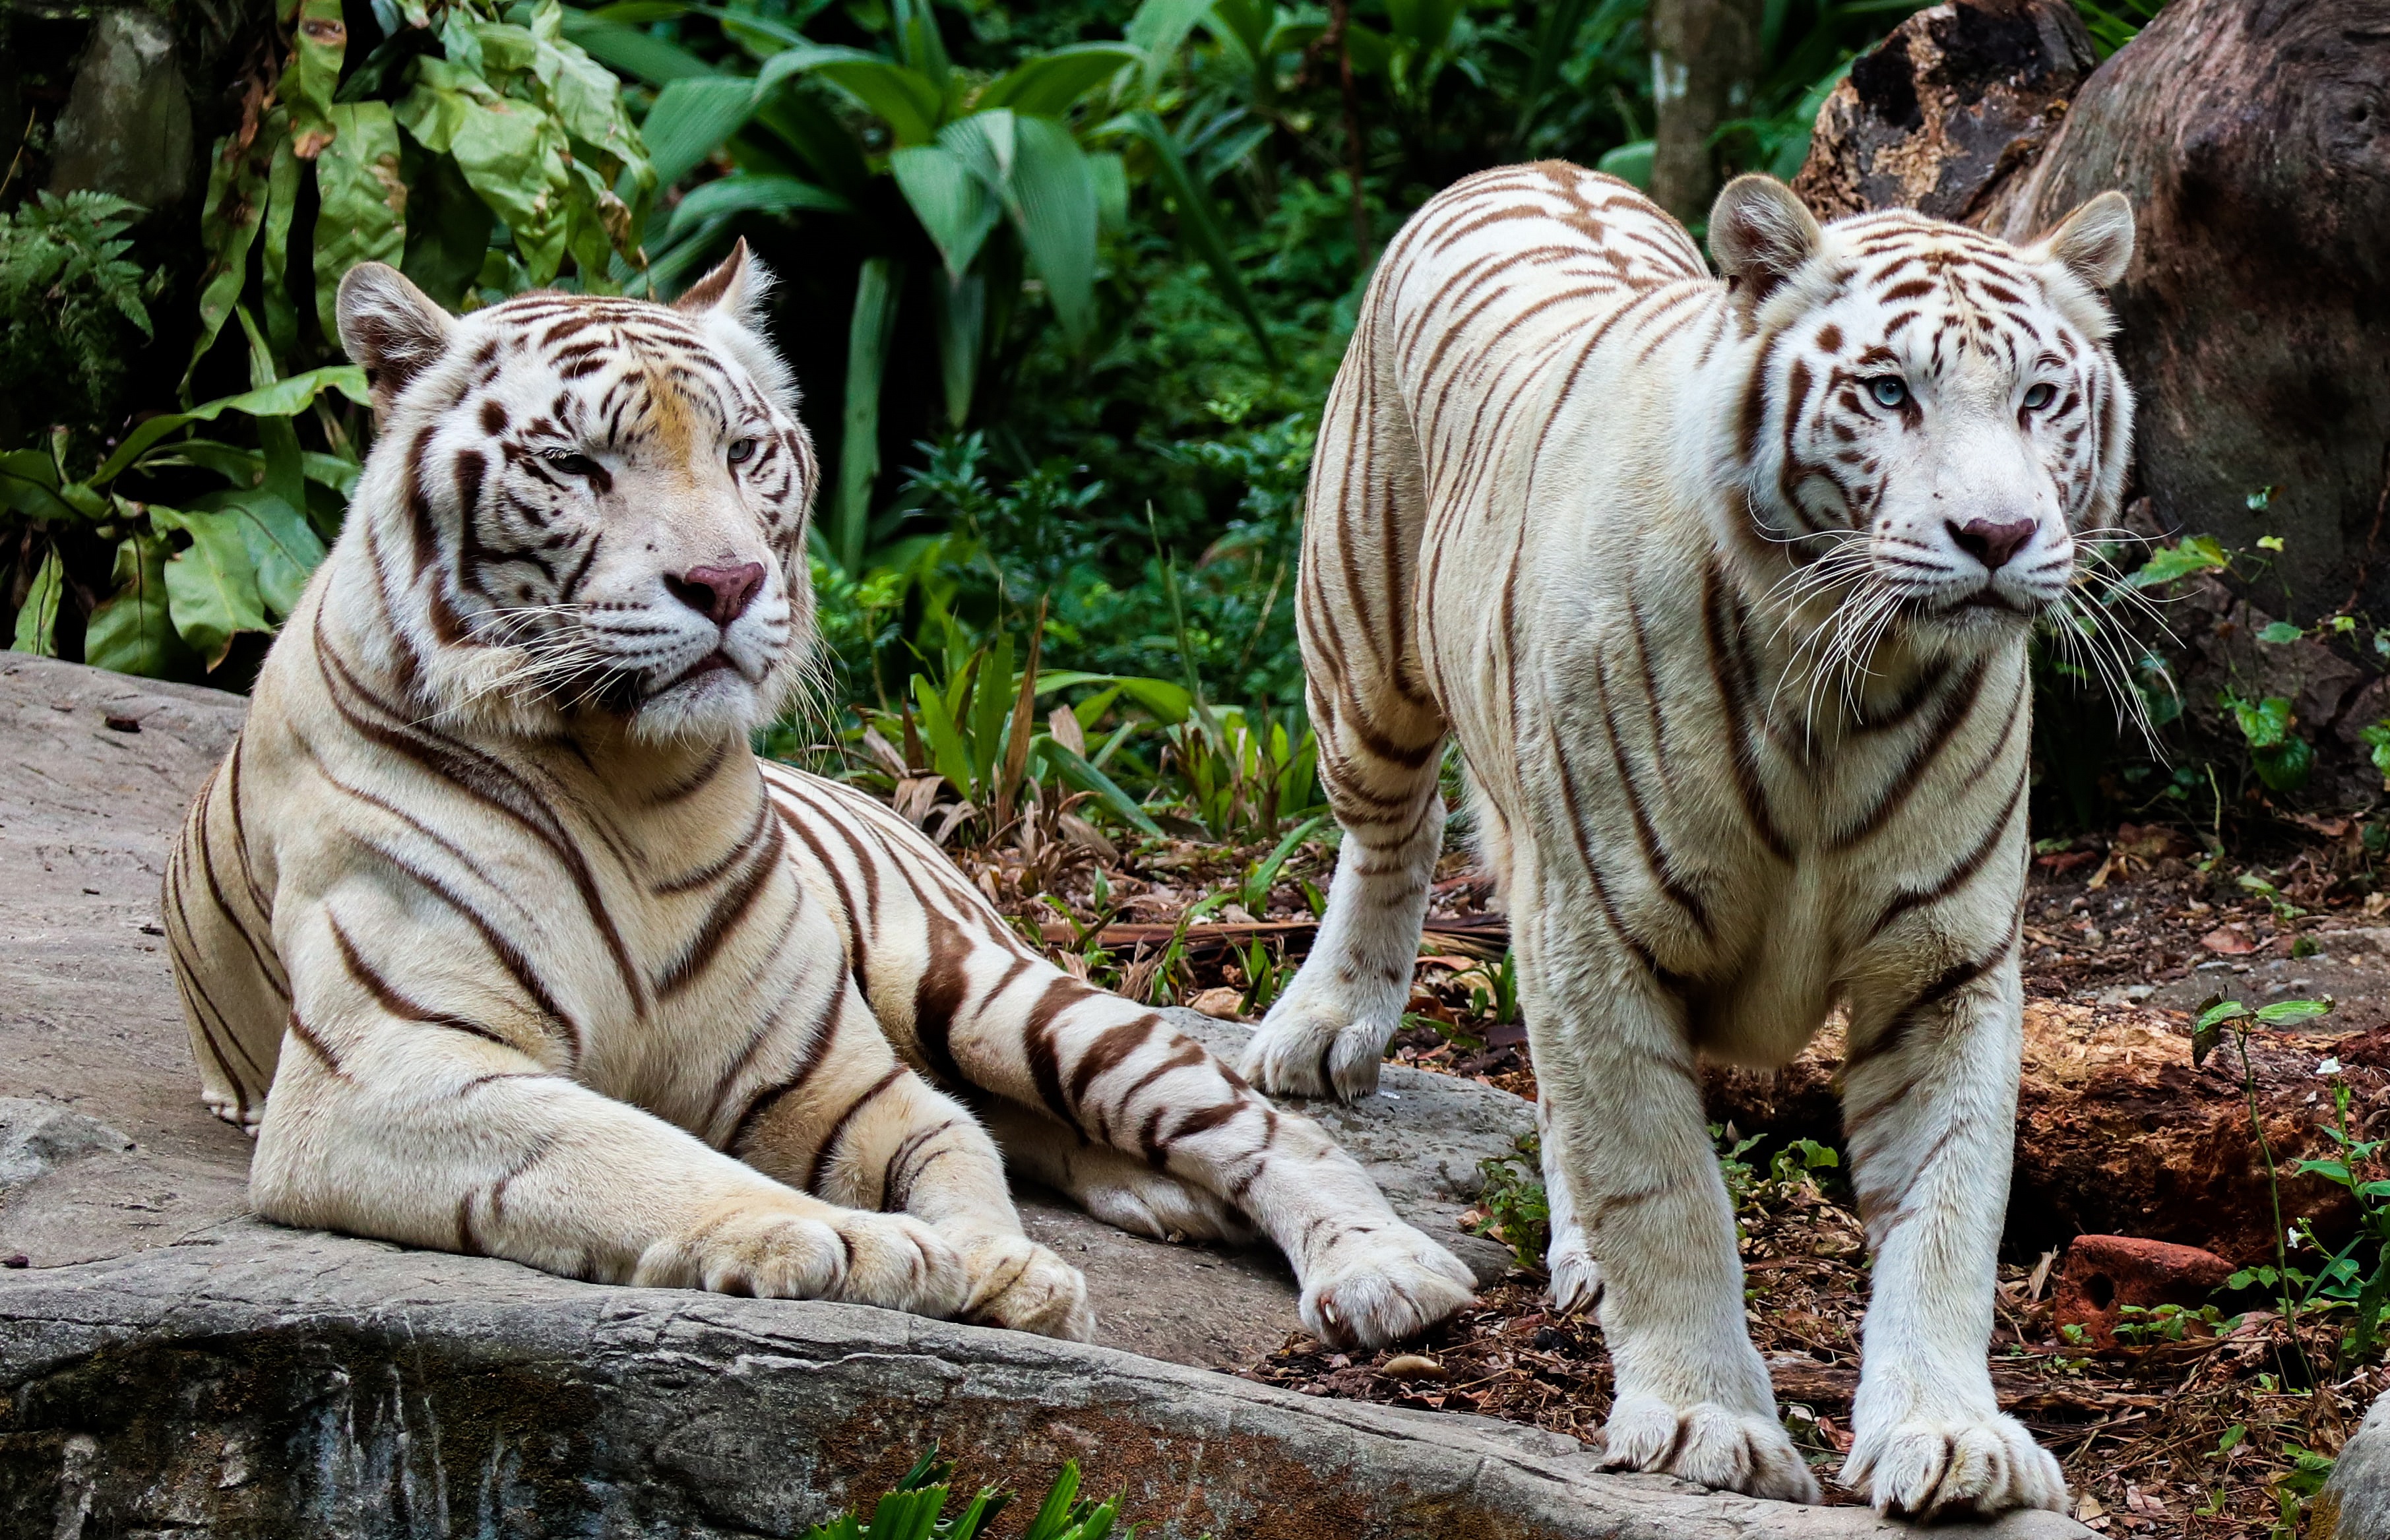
<point x="867" y="339"/>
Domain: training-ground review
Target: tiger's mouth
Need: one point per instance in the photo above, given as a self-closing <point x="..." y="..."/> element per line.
<point x="717" y="662"/>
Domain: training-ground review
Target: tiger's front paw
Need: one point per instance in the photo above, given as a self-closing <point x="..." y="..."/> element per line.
<point x="1307" y="1048"/>
<point x="1380" y="1286"/>
<point x="1019" y="1285"/>
<point x="812" y="1252"/>
<point x="1925" y="1468"/>
<point x="1708" y="1444"/>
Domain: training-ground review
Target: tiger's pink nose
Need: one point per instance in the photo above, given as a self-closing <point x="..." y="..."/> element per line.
<point x="1992" y="541"/>
<point x="720" y="594"/>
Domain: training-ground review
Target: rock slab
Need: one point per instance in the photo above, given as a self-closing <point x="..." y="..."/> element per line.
<point x="2356" y="1503"/>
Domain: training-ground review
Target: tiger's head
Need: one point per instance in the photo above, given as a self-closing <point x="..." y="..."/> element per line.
<point x="581" y="504"/>
<point x="1932" y="417"/>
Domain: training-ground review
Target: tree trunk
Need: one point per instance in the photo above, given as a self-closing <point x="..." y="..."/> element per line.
<point x="1943" y="114"/>
<point x="2253" y="139"/>
<point x="1705" y="57"/>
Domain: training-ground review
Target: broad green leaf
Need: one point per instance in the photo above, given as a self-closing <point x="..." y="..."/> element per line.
<point x="1051" y="82"/>
<point x="2283" y="1012"/>
<point x="918" y="43"/>
<point x="745" y="194"/>
<point x="133" y="631"/>
<point x="283" y="550"/>
<point x="2199" y="553"/>
<point x="2279" y="632"/>
<point x="322" y="42"/>
<point x="1199" y="229"/>
<point x="1111" y="191"/>
<point x="948" y="196"/>
<point x="907" y="100"/>
<point x="1158" y="29"/>
<point x="228" y="226"/>
<point x="1052" y="200"/>
<point x="361" y="199"/>
<point x="37" y="617"/>
<point x="628" y="51"/>
<point x="962" y="320"/>
<point x="1369" y="49"/>
<point x="281" y="304"/>
<point x="1630" y="163"/>
<point x="870" y="331"/>
<point x="283" y="398"/>
<point x="692" y="119"/>
<point x="946" y="745"/>
<point x="211" y="587"/>
<point x="1425" y="25"/>
<point x="1080" y="775"/>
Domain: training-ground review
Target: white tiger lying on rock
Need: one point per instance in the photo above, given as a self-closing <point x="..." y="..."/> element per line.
<point x="1724" y="589"/>
<point x="538" y="960"/>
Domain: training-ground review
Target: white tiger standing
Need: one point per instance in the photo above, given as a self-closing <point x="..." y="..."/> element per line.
<point x="537" y="960"/>
<point x="1724" y="589"/>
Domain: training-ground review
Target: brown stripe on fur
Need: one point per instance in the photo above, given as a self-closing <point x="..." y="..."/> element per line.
<point x="1953" y="711"/>
<point x="396" y="1003"/>
<point x="724" y="918"/>
<point x="828" y="1146"/>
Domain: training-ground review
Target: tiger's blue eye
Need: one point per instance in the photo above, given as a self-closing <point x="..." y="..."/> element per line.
<point x="2040" y="396"/>
<point x="570" y="463"/>
<point x="742" y="451"/>
<point x="1888" y="390"/>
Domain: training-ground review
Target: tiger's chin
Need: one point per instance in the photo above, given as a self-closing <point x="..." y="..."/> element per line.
<point x="1980" y="620"/>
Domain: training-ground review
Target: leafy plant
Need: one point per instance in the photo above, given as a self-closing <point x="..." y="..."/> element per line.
<point x="1516" y="1210"/>
<point x="2345" y="1277"/>
<point x="66" y="291"/>
<point x="2282" y="757"/>
<point x="469" y="117"/>
<point x="187" y="580"/>
<point x="912" y="1510"/>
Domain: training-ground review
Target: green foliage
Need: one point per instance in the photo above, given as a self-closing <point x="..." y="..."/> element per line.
<point x="912" y="1510"/>
<point x="1516" y="1210"/>
<point x="2282" y="757"/>
<point x="66" y="294"/>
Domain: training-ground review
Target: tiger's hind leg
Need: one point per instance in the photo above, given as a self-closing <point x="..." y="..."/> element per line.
<point x="1381" y="737"/>
<point x="1575" y="1277"/>
<point x="1115" y="1187"/>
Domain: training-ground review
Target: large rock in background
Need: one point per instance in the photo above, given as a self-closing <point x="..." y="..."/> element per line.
<point x="2255" y="318"/>
<point x="2253" y="139"/>
<point x="1943" y="114"/>
<point x="169" y="1363"/>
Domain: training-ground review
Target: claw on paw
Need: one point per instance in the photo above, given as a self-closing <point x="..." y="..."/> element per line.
<point x="1316" y="1051"/>
<point x="1708" y="1444"/>
<point x="1381" y="1286"/>
<point x="1982" y="1467"/>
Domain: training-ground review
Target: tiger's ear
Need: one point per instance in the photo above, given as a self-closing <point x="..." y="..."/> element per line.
<point x="2095" y="242"/>
<point x="391" y="329"/>
<point x="1761" y="235"/>
<point x="734" y="290"/>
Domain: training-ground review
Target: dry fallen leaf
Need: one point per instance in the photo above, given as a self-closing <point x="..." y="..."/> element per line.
<point x="1225" y="1003"/>
<point x="2229" y="942"/>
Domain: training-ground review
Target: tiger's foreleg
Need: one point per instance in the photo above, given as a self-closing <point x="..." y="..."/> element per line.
<point x="431" y="1107"/>
<point x="1575" y="1278"/>
<point x="903" y="1146"/>
<point x="1929" y="1112"/>
<point x="1616" y="1071"/>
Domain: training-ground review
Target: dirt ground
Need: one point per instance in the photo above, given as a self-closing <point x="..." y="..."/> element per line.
<point x="2216" y="1434"/>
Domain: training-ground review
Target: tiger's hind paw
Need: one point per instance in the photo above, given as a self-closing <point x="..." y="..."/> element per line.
<point x="1708" y="1444"/>
<point x="1144" y="1201"/>
<point x="1316" y="1049"/>
<point x="1981" y="1467"/>
<point x="1576" y="1277"/>
<point x="1380" y="1286"/>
